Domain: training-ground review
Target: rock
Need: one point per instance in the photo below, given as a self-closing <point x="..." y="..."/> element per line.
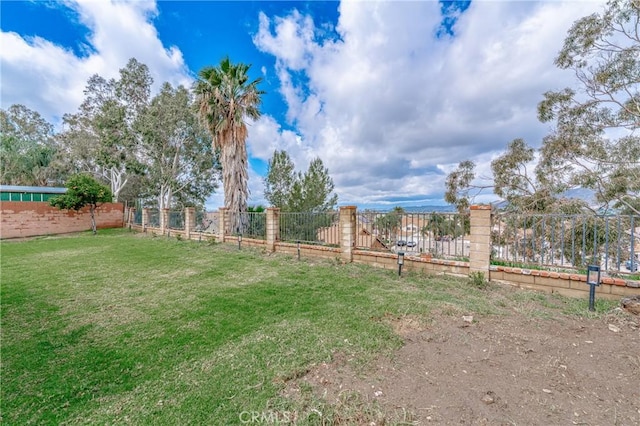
<point x="614" y="328"/>
<point x="489" y="398"/>
<point x="631" y="304"/>
<point x="467" y="318"/>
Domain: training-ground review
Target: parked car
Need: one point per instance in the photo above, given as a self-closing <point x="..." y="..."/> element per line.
<point x="631" y="265"/>
<point x="401" y="243"/>
<point x="411" y="243"/>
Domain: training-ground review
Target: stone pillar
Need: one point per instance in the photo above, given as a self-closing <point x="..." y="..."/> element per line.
<point x="273" y="228"/>
<point x="145" y="219"/>
<point x="164" y="220"/>
<point x="223" y="223"/>
<point x="480" y="250"/>
<point x="189" y="221"/>
<point x="347" y="229"/>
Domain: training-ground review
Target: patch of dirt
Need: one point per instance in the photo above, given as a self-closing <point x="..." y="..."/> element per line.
<point x="496" y="371"/>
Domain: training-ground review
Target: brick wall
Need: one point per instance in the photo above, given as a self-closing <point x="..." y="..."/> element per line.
<point x="30" y="219"/>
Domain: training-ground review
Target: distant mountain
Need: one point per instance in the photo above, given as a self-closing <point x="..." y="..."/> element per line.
<point x="420" y="209"/>
<point x="430" y="209"/>
<point x="585" y="194"/>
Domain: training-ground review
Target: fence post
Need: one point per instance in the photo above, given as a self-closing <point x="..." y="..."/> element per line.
<point x="223" y="222"/>
<point x="347" y="231"/>
<point x="273" y="228"/>
<point x="164" y="220"/>
<point x="145" y="219"/>
<point x="189" y="221"/>
<point x="131" y="218"/>
<point x="480" y="239"/>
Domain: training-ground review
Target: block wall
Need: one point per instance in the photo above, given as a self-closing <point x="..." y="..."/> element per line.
<point x="30" y="219"/>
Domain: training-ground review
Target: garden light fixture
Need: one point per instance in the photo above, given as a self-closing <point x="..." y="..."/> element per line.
<point x="239" y="241"/>
<point x="593" y="279"/>
<point x="400" y="262"/>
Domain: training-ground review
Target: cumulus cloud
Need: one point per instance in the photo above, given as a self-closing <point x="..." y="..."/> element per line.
<point x="392" y="103"/>
<point x="51" y="78"/>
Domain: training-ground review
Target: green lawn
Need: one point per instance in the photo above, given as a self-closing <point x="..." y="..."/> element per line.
<point x="124" y="328"/>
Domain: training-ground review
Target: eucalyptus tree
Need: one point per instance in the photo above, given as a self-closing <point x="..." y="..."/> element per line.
<point x="226" y="98"/>
<point x="100" y="138"/>
<point x="27" y="147"/>
<point x="516" y="178"/>
<point x="180" y="165"/>
<point x="595" y="143"/>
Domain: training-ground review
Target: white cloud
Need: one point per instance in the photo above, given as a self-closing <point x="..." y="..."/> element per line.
<point x="388" y="106"/>
<point x="50" y="79"/>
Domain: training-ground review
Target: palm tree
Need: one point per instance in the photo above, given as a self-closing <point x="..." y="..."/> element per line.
<point x="225" y="98"/>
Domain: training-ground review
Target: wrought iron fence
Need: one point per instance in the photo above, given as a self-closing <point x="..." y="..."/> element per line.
<point x="250" y="224"/>
<point x="311" y="228"/>
<point x="137" y="217"/>
<point x="203" y="223"/>
<point x="154" y="218"/>
<point x="444" y="235"/>
<point x="567" y="241"/>
<point x="176" y="220"/>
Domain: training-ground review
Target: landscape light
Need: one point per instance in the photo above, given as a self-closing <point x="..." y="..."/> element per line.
<point x="400" y="262"/>
<point x="239" y="241"/>
<point x="593" y="279"/>
<point x="298" y="249"/>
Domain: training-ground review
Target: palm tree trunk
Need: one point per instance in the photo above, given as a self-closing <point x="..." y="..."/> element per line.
<point x="235" y="178"/>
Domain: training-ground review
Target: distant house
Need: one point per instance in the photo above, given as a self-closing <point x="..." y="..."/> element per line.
<point x="364" y="238"/>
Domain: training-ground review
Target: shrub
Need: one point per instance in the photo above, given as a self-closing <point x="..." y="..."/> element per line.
<point x="478" y="280"/>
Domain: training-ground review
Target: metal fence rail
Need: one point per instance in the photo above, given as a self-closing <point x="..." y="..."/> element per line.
<point x="567" y="241"/>
<point x="137" y="217"/>
<point x="176" y="220"/>
<point x="203" y="223"/>
<point x="154" y="218"/>
<point x="444" y="235"/>
<point x="312" y="228"/>
<point x="251" y="225"/>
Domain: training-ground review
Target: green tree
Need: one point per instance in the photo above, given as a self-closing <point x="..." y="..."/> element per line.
<point x="83" y="190"/>
<point x="100" y="138"/>
<point x="180" y="164"/>
<point x="516" y="179"/>
<point x="296" y="192"/>
<point x="225" y="99"/>
<point x="595" y="143"/>
<point x="389" y="224"/>
<point x="27" y="148"/>
<point x="278" y="183"/>
<point x="312" y="192"/>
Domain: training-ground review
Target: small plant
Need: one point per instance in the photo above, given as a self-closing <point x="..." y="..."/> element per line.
<point x="478" y="280"/>
<point x="179" y="237"/>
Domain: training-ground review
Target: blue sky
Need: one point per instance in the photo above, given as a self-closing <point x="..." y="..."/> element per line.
<point x="390" y="95"/>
